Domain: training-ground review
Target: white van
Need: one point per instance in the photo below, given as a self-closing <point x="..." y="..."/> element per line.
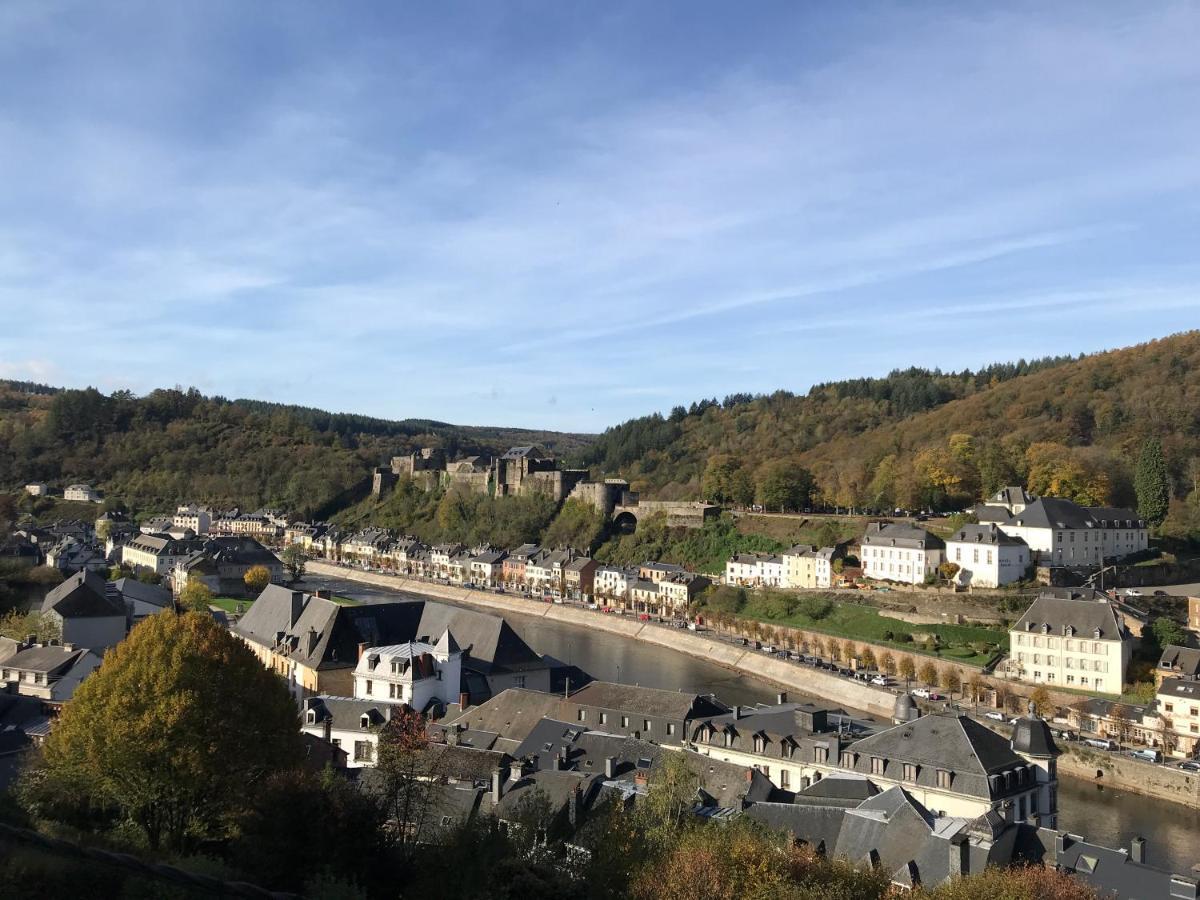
<point x="1146" y="755"/>
<point x="1101" y="743"/>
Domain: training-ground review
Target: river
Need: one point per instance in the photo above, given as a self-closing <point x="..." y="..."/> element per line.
<point x="1102" y="815"/>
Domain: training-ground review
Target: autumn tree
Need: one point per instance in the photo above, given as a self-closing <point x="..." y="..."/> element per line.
<point x="172" y="732"/>
<point x="1152" y="484"/>
<point x="784" y="485"/>
<point x="294" y="559"/>
<point x="196" y="595"/>
<point x="887" y="662"/>
<point x="405" y="765"/>
<point x="1042" y="704"/>
<point x="977" y="687"/>
<point x="951" y="680"/>
<point x="908" y="670"/>
<point x="928" y="673"/>
<point x="257" y="578"/>
<point x="868" y="658"/>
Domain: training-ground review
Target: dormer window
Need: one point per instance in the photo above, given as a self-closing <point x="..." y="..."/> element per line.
<point x="1045" y="628"/>
<point x="312" y="717"/>
<point x="878" y="765"/>
<point x="1096" y="634"/>
<point x="364" y="721"/>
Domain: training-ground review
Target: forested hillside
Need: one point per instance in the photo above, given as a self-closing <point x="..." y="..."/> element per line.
<point x="171" y="446"/>
<point x="1067" y="426"/>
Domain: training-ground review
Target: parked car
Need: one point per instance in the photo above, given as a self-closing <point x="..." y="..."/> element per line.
<point x="934" y="695"/>
<point x="1190" y="765"/>
<point x="1147" y="755"/>
<point x="1161" y="594"/>
<point x="921" y="692"/>
<point x="880" y="680"/>
<point x="1101" y="743"/>
<point x="994" y="716"/>
<point x="1064" y="734"/>
<point x="1131" y="592"/>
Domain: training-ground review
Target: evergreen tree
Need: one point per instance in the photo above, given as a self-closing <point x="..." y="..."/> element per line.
<point x="1152" y="483"/>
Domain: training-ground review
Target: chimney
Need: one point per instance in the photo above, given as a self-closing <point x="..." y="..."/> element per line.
<point x="1137" y="850"/>
<point x="781" y="698"/>
<point x="960" y="856"/>
<point x="362" y="648"/>
<point x="640" y="778"/>
<point x="497" y="785"/>
<point x="575" y="807"/>
<point x="610" y="767"/>
<point x="516" y="771"/>
<point x="1061" y="842"/>
<point x="297" y="606"/>
<point x="328" y="729"/>
<point x="749" y="775"/>
<point x="464" y="700"/>
<point x="737" y="713"/>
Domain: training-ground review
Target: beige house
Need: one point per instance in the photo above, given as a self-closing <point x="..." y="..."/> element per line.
<point x="808" y="567"/>
<point x="1071" y="638"/>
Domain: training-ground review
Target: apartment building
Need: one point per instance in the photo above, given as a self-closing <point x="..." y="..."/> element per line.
<point x="900" y="553"/>
<point x="986" y="556"/>
<point x="1072" y="638"/>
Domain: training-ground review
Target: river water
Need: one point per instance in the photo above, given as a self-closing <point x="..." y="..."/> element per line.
<point x="1102" y="815"/>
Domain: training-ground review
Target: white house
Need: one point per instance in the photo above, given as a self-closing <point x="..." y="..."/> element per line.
<point x="37" y="489"/>
<point x="417" y="674"/>
<point x="745" y="570"/>
<point x="81" y="493"/>
<point x="986" y="556"/>
<point x="900" y="553"/>
<point x="1060" y="533"/>
<point x="614" y="582"/>
<point x="197" y="518"/>
<point x="1072" y="638"/>
<point x="157" y="552"/>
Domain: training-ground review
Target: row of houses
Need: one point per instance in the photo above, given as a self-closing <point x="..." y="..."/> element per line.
<point x="802" y="566"/>
<point x="559" y="573"/>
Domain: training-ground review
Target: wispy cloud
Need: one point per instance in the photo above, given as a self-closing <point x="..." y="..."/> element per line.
<point x="462" y="218"/>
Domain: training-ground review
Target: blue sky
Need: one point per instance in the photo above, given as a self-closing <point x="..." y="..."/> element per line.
<point x="566" y="214"/>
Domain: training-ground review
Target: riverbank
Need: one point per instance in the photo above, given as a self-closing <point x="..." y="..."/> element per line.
<point x="817" y="683"/>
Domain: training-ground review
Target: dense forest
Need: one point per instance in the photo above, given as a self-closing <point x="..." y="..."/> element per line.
<point x="176" y="445"/>
<point x="1064" y="426"/>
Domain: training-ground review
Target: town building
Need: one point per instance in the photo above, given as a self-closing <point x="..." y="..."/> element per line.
<point x="514" y="565"/>
<point x="87" y="614"/>
<point x="81" y="493"/>
<point x="1177" y="704"/>
<point x="72" y="555"/>
<point x="314" y="643"/>
<point x="1071" y="638"/>
<point x="1060" y="533"/>
<point x="48" y="672"/>
<point x="37" y="489"/>
<point x="900" y="553"/>
<point x="950" y="764"/>
<point x="579" y="578"/>
<point x="196" y="518"/>
<point x="487" y="567"/>
<point x="809" y="567"/>
<point x="158" y="553"/>
<point x="422" y="674"/>
<point x="222" y="563"/>
<point x="613" y="584"/>
<point x="987" y="557"/>
<point x="141" y="599"/>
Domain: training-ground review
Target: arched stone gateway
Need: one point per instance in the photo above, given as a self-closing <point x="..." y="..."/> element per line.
<point x="625" y="522"/>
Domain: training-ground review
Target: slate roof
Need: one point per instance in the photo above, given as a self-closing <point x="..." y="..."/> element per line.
<point x="1180" y="687"/>
<point x="130" y="589"/>
<point x="465" y="763"/>
<point x="510" y="714"/>
<point x="647" y="701"/>
<point x="1184" y="660"/>
<point x="488" y="639"/>
<point x="1062" y="607"/>
<point x="988" y="535"/>
<point x="905" y="536"/>
<point x="1111" y="873"/>
<point x="325" y="635"/>
<point x="48" y="659"/>
<point x="345" y="713"/>
<point x="958" y="744"/>
<point x="83" y="595"/>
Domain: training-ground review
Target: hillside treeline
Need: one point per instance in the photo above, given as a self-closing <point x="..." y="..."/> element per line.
<point x="174" y="445"/>
<point x="1066" y="426"/>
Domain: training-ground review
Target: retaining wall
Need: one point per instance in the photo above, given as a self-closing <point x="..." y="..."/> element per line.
<point x="831" y="689"/>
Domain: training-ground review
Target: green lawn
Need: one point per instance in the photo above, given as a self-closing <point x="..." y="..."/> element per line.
<point x="865" y="623"/>
<point x="230" y="604"/>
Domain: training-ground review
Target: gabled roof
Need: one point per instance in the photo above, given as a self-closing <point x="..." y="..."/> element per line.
<point x="511" y="714"/>
<point x="895" y="535"/>
<point x="130" y="589"/>
<point x="1064" y="608"/>
<point x="972" y="752"/>
<point x="984" y="534"/>
<point x="488" y="639"/>
<point x="83" y="595"/>
<point x="647" y="701"/>
<point x="1184" y="660"/>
